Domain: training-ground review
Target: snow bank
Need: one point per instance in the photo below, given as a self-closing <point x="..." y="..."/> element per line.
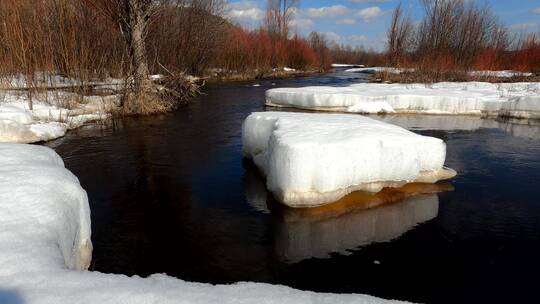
<point x="315" y="159"/>
<point x="500" y="74"/>
<point x="520" y="100"/>
<point x="51" y="116"/>
<point x="57" y="81"/>
<point x="373" y="70"/>
<point x="45" y="239"/>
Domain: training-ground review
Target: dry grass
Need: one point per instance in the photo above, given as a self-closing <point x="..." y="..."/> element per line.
<point x="160" y="96"/>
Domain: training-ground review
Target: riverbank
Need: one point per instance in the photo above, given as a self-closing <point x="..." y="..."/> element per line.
<point x="286" y="73"/>
<point x="413" y="76"/>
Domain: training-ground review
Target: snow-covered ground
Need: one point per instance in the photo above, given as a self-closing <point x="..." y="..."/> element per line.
<point x="48" y="80"/>
<point x="519" y="100"/>
<point x="500" y="74"/>
<point x="53" y="114"/>
<point x="45" y="242"/>
<point x="315" y="159"/>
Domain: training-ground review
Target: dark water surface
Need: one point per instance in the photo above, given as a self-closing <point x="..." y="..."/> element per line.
<point x="171" y="194"/>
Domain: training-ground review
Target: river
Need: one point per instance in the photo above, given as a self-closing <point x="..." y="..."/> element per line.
<point x="171" y="194"/>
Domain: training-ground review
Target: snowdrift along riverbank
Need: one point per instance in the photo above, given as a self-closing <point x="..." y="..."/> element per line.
<point x="45" y="238"/>
<point x="518" y="100"/>
<point x="53" y="114"/>
<point x="315" y="159"/>
<point x="390" y="70"/>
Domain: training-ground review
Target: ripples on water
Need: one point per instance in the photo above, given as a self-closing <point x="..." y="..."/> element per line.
<point x="171" y="194"/>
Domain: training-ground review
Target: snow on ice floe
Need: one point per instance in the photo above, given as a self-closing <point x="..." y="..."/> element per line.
<point x="314" y="159"/>
<point x="373" y="70"/>
<point x="51" y="116"/>
<point x="346" y="65"/>
<point x="45" y="241"/>
<point x="519" y="100"/>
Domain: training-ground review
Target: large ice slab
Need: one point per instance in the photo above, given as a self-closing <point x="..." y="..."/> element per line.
<point x="314" y="159"/>
<point x="520" y="100"/>
<point x="45" y="239"/>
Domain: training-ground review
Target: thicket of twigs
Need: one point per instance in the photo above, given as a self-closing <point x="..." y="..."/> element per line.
<point x="71" y="38"/>
<point x="455" y="37"/>
<point x="91" y="40"/>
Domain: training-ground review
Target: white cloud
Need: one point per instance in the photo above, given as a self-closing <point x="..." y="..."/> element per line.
<point x="327" y="11"/>
<point x="346" y="21"/>
<point x="369" y="13"/>
<point x="537" y="10"/>
<point x="332" y="37"/>
<point x="302" y="24"/>
<point x="356" y="39"/>
<point x="245" y="12"/>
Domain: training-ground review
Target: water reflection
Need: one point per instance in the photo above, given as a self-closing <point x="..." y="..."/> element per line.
<point x="356" y="220"/>
<point x="521" y="128"/>
<point x="304" y="238"/>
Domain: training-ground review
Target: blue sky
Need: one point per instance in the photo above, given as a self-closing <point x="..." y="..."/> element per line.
<point x="364" y="22"/>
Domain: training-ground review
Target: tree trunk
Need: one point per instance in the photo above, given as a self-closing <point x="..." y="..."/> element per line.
<point x="138" y="23"/>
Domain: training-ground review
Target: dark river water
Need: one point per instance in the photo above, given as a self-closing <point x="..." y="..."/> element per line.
<point x="172" y="194"/>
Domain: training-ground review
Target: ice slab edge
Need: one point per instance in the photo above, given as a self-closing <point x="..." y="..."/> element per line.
<point x="516" y="100"/>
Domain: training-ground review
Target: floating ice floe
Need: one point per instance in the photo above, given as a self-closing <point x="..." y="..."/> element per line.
<point x="45" y="247"/>
<point x="373" y="70"/>
<point x="519" y="100"/>
<point x="314" y="159"/>
<point x="52" y="115"/>
<point x="346" y="65"/>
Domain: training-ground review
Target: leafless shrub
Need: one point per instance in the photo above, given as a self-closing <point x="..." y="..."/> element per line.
<point x="319" y="43"/>
<point x="399" y="36"/>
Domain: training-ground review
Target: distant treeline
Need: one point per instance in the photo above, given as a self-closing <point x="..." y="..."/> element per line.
<point x="83" y="39"/>
<point x="86" y="39"/>
<point x="459" y="35"/>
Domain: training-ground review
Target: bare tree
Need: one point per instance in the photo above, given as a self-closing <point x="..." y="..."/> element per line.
<point x="194" y="28"/>
<point x="279" y="14"/>
<point x="452" y="34"/>
<point x="133" y="18"/>
<point x="319" y="43"/>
